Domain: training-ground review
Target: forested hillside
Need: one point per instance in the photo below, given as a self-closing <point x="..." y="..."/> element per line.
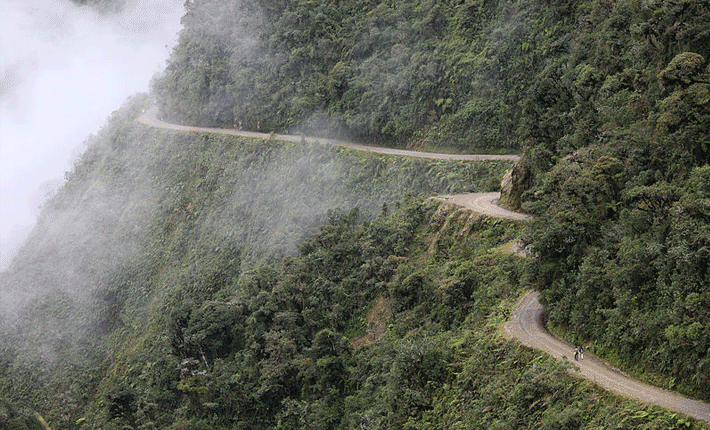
<point x="193" y="281"/>
<point x="618" y="181"/>
<point x="609" y="101"/>
<point x="159" y="291"/>
<point x="443" y="73"/>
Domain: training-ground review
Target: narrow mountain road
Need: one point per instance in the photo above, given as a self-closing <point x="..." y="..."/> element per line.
<point x="483" y="203"/>
<point x="150" y="118"/>
<point x="526" y="324"/>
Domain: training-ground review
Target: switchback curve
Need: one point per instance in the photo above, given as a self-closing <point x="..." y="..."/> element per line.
<point x="483" y="203"/>
<point x="527" y="326"/>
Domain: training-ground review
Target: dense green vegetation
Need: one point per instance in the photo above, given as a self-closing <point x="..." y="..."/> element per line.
<point x="145" y="211"/>
<point x="609" y="101"/>
<point x="149" y="313"/>
<point x="191" y="281"/>
<point x="620" y="187"/>
<point x="273" y="349"/>
<point x="12" y="419"/>
<point x="148" y="304"/>
<point x="450" y="73"/>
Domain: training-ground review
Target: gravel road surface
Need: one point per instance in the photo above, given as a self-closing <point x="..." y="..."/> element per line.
<point x="484" y="203"/>
<point x="527" y="326"/>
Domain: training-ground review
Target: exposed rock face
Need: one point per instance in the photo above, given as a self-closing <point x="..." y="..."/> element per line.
<point x="514" y="183"/>
<point x="506" y="184"/>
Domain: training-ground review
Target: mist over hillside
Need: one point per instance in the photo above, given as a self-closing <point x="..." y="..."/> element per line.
<point x="64" y="68"/>
<point x="146" y="215"/>
<point x="411" y="73"/>
<point x="193" y="280"/>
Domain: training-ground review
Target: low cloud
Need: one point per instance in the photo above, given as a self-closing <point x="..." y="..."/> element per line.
<point x="64" y="68"/>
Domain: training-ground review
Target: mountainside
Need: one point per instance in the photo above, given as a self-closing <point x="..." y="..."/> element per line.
<point x="193" y="280"/>
<point x="445" y="73"/>
<point x="619" y="189"/>
<point x="150" y="222"/>
<point x="609" y="102"/>
<point x="144" y="299"/>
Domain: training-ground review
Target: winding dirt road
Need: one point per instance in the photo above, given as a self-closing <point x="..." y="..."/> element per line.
<point x="526" y="324"/>
<point x="150" y="118"/>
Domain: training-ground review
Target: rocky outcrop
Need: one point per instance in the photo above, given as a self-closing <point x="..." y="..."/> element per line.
<point x="515" y="182"/>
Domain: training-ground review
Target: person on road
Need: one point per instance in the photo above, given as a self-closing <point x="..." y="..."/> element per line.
<point x="581" y="353"/>
<point x="576" y="353"/>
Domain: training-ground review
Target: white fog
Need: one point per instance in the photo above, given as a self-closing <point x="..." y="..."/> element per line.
<point x="63" y="70"/>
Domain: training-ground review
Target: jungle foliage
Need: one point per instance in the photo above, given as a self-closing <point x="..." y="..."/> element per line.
<point x="147" y="299"/>
<point x="609" y="100"/>
<point x="191" y="281"/>
<point x="433" y="72"/>
<point x="616" y="162"/>
<point x="145" y="210"/>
